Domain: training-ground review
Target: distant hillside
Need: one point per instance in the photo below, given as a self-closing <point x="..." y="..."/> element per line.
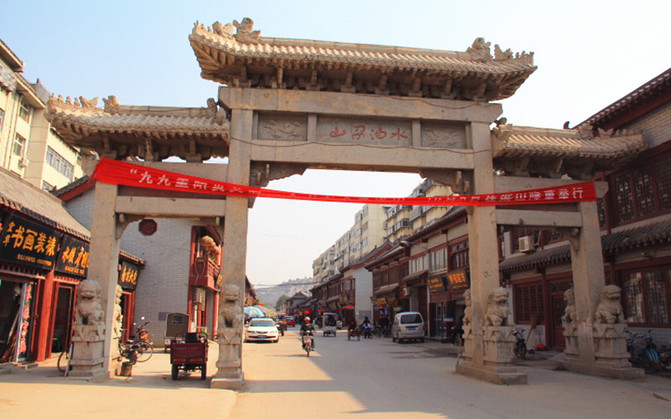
<point x="268" y="295"/>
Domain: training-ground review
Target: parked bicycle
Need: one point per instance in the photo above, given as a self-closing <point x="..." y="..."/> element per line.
<point x="520" y="347"/>
<point x="63" y="363"/>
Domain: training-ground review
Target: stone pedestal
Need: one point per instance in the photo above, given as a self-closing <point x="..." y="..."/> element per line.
<point x="571" y="351"/>
<point x="87" y="361"/>
<point x="611" y="357"/>
<point x="229" y="367"/>
<point x="498" y="355"/>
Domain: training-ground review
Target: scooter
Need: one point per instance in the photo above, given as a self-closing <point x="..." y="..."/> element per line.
<point x="643" y="353"/>
<point x="307" y="342"/>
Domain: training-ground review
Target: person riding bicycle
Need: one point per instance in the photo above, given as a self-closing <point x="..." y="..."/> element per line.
<point x="367" y="327"/>
<point x="307" y="329"/>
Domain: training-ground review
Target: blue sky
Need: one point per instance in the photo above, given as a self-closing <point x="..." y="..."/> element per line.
<point x="588" y="53"/>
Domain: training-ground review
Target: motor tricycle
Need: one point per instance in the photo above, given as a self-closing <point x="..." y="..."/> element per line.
<point x="189" y="354"/>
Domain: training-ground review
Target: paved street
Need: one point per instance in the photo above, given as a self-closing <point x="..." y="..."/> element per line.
<point x="367" y="378"/>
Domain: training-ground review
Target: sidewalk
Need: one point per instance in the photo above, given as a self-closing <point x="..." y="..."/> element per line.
<point x="42" y="392"/>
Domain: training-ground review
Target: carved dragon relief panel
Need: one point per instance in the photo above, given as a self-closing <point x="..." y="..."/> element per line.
<point x="282" y="127"/>
<point x="443" y="135"/>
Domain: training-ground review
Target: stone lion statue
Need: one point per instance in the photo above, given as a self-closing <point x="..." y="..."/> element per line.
<point x="569" y="316"/>
<point x="497" y="308"/>
<point x="89" y="308"/>
<point x="231" y="316"/>
<point x="609" y="310"/>
<point x="468" y="310"/>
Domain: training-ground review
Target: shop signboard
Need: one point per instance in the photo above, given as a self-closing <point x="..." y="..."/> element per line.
<point x="436" y="285"/>
<point x="459" y="279"/>
<point x="28" y="243"/>
<point x="128" y="277"/>
<point x="73" y="257"/>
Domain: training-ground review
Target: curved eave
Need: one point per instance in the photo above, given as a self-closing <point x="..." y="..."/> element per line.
<point x="555" y="145"/>
<point x="225" y="60"/>
<point x="175" y="133"/>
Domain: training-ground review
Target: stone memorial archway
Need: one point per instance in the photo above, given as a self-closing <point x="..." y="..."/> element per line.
<point x="289" y="105"/>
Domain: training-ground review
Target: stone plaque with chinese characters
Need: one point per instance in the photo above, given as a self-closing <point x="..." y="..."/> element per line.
<point x="364" y="131"/>
<point x="437" y="135"/>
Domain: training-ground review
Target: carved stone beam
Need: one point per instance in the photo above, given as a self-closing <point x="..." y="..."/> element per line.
<point x="193" y="156"/>
<point x="459" y="180"/>
<point x="572" y="234"/>
<point x="416" y="87"/>
<point x="122" y="222"/>
<point x="348" y="87"/>
<point x="148" y="150"/>
<point x="381" y="88"/>
<point x="582" y="171"/>
<point x="262" y="173"/>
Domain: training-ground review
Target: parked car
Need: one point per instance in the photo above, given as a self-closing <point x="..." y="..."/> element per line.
<point x="291" y="321"/>
<point x="262" y="329"/>
<point x="408" y="325"/>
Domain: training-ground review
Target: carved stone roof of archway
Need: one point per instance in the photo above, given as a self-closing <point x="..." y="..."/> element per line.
<point x="246" y="59"/>
<point x="556" y="152"/>
<point x="152" y="133"/>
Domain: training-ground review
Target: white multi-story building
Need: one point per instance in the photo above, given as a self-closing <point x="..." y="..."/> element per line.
<point x="366" y="234"/>
<point x="29" y="146"/>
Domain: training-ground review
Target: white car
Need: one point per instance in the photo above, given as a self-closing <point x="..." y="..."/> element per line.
<point x="262" y="329"/>
<point x="408" y="325"/>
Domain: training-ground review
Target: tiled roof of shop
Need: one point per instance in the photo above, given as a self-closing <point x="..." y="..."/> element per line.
<point x="656" y="86"/>
<point x="636" y="237"/>
<point x="40" y="205"/>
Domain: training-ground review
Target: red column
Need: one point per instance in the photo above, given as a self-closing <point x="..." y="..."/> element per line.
<point x="45" y="313"/>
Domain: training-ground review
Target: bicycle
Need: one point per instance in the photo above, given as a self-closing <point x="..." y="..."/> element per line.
<point x="63" y="363"/>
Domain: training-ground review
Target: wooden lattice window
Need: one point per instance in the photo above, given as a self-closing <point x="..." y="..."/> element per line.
<point x="663" y="177"/>
<point x="645" y="194"/>
<point x="459" y="255"/>
<point x="528" y="300"/>
<point x="624" y="202"/>
<point x="601" y="209"/>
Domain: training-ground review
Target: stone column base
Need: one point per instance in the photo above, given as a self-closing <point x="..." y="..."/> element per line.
<point x="496" y="375"/>
<point x="228" y="383"/>
<point x="622" y="373"/>
<point x="87" y="360"/>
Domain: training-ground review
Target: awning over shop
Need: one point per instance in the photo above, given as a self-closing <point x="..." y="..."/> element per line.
<point x="385" y="289"/>
<point x="416" y="278"/>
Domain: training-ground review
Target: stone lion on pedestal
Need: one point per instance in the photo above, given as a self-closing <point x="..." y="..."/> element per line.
<point x="609" y="310"/>
<point x="497" y="308"/>
<point x="89" y="308"/>
<point x="569" y="317"/>
<point x="231" y="316"/>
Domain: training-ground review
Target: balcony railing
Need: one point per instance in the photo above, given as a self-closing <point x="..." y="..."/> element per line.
<point x="204" y="273"/>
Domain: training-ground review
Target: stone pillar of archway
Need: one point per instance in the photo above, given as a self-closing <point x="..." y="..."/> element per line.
<point x="92" y="332"/>
<point x="601" y="348"/>
<point x="231" y="302"/>
<point x="488" y="349"/>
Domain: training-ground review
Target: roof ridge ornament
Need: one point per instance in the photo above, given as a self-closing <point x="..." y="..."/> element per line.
<point x="479" y="50"/>
<point x="245" y="31"/>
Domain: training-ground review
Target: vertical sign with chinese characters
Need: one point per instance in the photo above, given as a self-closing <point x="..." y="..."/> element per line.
<point x="73" y="258"/>
<point x="128" y="276"/>
<point x="28" y="243"/>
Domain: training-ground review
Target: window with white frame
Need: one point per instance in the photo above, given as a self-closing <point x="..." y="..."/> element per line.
<point x="24" y="111"/>
<point x="19" y="146"/>
<point x="59" y="163"/>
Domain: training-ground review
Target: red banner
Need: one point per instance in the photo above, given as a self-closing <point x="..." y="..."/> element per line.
<point x="123" y="173"/>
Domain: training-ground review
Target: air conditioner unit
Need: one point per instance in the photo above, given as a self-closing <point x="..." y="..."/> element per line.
<point x="526" y="244"/>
